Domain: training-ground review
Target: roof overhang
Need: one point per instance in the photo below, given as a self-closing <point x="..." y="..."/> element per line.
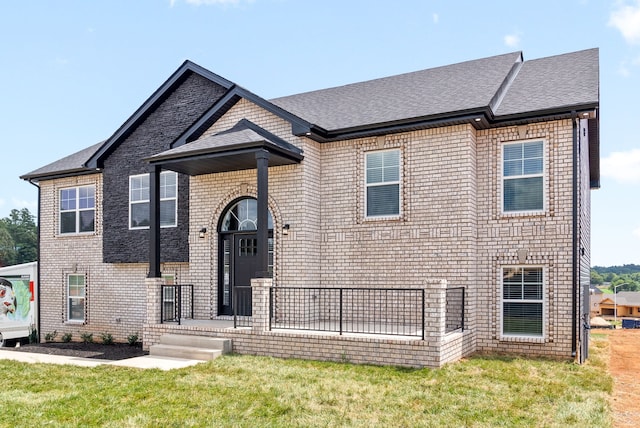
<point x="232" y="150"/>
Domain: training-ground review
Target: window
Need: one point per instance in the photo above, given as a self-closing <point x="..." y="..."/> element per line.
<point x="523" y="177"/>
<point x="382" y="183"/>
<point x="522" y="303"/>
<point x="77" y="210"/>
<point x="76" y="294"/>
<point x="169" y="298"/>
<point x="139" y="194"/>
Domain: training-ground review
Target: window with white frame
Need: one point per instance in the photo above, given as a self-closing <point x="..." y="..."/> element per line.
<point x="77" y="210"/>
<point x="382" y="183"/>
<point x="522" y="301"/>
<point x="169" y="297"/>
<point x="76" y="297"/>
<point x="523" y="176"/>
<point x="139" y="197"/>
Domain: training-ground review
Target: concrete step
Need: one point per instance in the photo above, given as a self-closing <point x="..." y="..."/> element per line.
<point x="187" y="352"/>
<point x="197" y="342"/>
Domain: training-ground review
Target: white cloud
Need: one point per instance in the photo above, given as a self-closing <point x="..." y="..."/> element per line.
<point x="436" y="18"/>
<point x="626" y="19"/>
<point x="512" y="40"/>
<point x="623" y="69"/>
<point x="18" y="204"/>
<point x="636" y="232"/>
<point x="622" y="166"/>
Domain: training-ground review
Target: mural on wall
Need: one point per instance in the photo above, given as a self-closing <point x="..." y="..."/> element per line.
<point x="15" y="298"/>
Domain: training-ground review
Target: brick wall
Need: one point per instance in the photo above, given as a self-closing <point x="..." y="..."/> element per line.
<point x="547" y="238"/>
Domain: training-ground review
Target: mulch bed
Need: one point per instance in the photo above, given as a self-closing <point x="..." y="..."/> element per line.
<point x="115" y="351"/>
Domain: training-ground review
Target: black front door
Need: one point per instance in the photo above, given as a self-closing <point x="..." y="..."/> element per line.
<point x="239" y="264"/>
<point x="245" y="263"/>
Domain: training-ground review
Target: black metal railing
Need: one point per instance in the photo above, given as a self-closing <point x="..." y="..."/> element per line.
<point x="242" y="302"/>
<point x="454" y="309"/>
<point x="388" y="311"/>
<point x="176" y="302"/>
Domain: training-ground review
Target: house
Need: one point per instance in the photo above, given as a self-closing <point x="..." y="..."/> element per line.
<point x="627" y="304"/>
<point x="595" y="297"/>
<point x="408" y="220"/>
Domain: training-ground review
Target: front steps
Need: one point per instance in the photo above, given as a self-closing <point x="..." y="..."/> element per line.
<point x="190" y="347"/>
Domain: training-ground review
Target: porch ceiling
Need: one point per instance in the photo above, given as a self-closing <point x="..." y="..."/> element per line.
<point x="232" y="150"/>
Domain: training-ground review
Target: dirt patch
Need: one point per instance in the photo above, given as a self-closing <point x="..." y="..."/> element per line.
<point x="624" y="367"/>
<point x="116" y="351"/>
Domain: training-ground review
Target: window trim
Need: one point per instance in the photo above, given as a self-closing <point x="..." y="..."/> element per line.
<point x="83" y="298"/>
<point x="77" y="210"/>
<point x="542" y="301"/>
<point x="385" y="183"/>
<point x="543" y="175"/>
<point x="148" y="201"/>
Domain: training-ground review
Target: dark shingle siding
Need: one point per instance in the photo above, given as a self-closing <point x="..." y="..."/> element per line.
<point x="155" y="134"/>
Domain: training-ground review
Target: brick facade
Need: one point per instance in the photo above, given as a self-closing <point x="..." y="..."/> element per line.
<point x="450" y="232"/>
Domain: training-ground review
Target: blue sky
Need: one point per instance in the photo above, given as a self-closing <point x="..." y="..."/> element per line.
<point x="73" y="71"/>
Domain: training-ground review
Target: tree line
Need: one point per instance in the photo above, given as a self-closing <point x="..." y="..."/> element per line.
<point x="619" y="278"/>
<point x="18" y="238"/>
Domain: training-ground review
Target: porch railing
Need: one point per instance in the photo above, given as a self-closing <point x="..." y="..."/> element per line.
<point x="242" y="306"/>
<point x="177" y="302"/>
<point x="454" y="309"/>
<point x="388" y="311"/>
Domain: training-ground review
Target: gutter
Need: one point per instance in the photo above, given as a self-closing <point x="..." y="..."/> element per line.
<point x="38" y="260"/>
<point x="574" y="273"/>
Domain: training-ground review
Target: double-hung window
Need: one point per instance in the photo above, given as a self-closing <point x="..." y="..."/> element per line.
<point x="522" y="301"/>
<point x="76" y="296"/>
<point x="523" y="176"/>
<point x="139" y="194"/>
<point x="77" y="210"/>
<point x="382" y="193"/>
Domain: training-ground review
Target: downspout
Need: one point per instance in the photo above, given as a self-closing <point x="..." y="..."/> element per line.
<point x="38" y="260"/>
<point x="574" y="275"/>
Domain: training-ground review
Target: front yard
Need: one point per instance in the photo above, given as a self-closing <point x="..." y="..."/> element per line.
<point x="258" y="391"/>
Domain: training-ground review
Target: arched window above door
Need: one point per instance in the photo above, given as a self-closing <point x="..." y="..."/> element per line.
<point x="242" y="216"/>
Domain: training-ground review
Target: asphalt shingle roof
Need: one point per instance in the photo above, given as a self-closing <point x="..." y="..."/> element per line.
<point x="560" y="81"/>
<point x="452" y="88"/>
<point x="502" y="86"/>
<point x="69" y="164"/>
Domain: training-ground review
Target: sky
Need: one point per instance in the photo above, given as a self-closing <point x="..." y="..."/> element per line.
<point x="73" y="71"/>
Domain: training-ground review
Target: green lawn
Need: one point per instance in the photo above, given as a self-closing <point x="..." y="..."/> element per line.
<point x="248" y="391"/>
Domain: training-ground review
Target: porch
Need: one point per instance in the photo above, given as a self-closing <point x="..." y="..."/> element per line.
<point x="415" y="327"/>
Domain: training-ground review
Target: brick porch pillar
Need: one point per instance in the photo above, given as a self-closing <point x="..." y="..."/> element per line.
<point x="435" y="309"/>
<point x="260" y="288"/>
<point x="154" y="299"/>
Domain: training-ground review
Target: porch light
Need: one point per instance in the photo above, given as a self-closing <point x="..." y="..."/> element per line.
<point x="285" y="229"/>
<point x="202" y="232"/>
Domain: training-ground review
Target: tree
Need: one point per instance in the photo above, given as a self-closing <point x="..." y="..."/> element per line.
<point x="596" y="278"/>
<point x="7" y="247"/>
<point x="18" y="238"/>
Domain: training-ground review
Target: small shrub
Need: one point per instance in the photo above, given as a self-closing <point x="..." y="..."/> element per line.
<point x="87" y="337"/>
<point x="33" y="335"/>
<point x="107" y="338"/>
<point x="50" y="337"/>
<point x="132" y="339"/>
<point x="66" y="338"/>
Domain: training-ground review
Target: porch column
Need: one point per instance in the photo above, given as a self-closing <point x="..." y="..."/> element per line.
<point x="154" y="220"/>
<point x="260" y="290"/>
<point x="262" y="161"/>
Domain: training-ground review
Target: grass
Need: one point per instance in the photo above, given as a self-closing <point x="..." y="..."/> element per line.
<point x="244" y="391"/>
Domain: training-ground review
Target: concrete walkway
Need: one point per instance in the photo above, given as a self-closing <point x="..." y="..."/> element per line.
<point x="144" y="362"/>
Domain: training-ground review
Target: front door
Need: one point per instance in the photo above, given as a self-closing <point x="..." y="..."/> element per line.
<point x="245" y="264"/>
<point x="238" y="256"/>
